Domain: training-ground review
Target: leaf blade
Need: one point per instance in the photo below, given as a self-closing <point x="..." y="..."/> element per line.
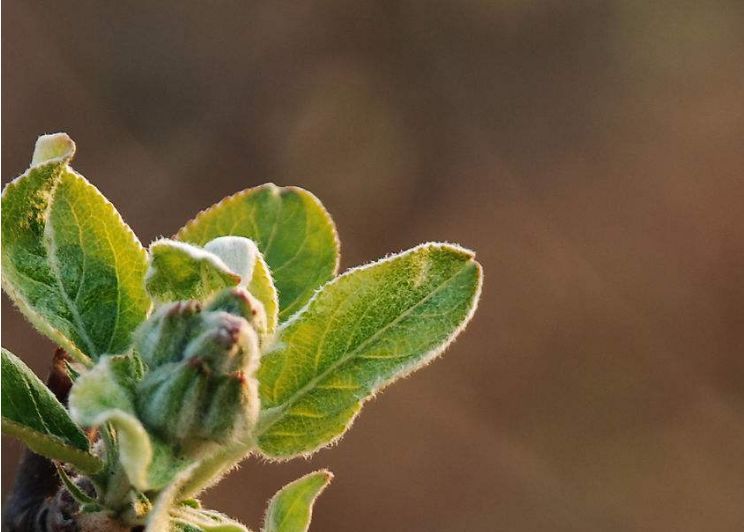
<point x="33" y="414"/>
<point x="179" y="271"/>
<point x="205" y="520"/>
<point x="51" y="447"/>
<point x="292" y="230"/>
<point x="109" y="287"/>
<point x="80" y="283"/>
<point x="291" y="508"/>
<point x="105" y="395"/>
<point x="359" y="333"/>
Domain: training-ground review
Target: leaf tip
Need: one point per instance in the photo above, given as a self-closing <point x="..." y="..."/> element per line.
<point x="55" y="146"/>
<point x="326" y="475"/>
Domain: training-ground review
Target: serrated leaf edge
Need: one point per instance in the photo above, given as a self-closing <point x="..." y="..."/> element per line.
<point x="34" y="317"/>
<point x="328" y="476"/>
<point x="271" y="415"/>
<point x="238" y="196"/>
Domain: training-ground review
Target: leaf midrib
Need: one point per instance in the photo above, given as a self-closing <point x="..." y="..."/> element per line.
<point x="54" y="266"/>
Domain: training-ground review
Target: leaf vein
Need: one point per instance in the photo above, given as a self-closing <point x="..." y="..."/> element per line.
<point x="349" y="356"/>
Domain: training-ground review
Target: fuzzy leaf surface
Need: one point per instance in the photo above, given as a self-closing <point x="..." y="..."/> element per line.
<point x="105" y="395"/>
<point x="181" y="271"/>
<point x="291" y="509"/>
<point x="362" y="331"/>
<point x="172" y="514"/>
<point x="292" y="230"/>
<point x="32" y="413"/>
<point x="69" y="262"/>
<point x="204" y="520"/>
<point x="159" y="519"/>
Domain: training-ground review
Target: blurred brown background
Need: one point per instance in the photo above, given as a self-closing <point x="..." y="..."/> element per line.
<point x="591" y="152"/>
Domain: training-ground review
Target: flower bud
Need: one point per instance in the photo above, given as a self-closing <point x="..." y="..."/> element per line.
<point x="169" y="400"/>
<point x="224" y="342"/>
<point x="240" y="302"/>
<point x="163" y="337"/>
<point x="208" y="394"/>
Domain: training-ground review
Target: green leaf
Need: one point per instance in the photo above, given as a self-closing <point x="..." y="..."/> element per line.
<point x="291" y="509"/>
<point x="181" y="271"/>
<point x="243" y="257"/>
<point x="33" y="414"/>
<point x="210" y="469"/>
<point x="159" y="519"/>
<point x="172" y="513"/>
<point x="362" y="331"/>
<point x="69" y="262"/>
<point x="293" y="231"/>
<point x="104" y="395"/>
<point x="205" y="520"/>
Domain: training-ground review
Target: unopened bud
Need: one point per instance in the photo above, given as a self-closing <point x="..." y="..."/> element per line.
<point x="169" y="400"/>
<point x="224" y="342"/>
<point x="163" y="337"/>
<point x="209" y="394"/>
<point x="240" y="302"/>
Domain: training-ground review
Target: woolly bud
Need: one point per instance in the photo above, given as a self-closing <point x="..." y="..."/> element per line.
<point x="163" y="337"/>
<point x="240" y="302"/>
<point x="224" y="342"/>
<point x="209" y="394"/>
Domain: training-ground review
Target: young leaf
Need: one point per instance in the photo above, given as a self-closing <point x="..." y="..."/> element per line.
<point x="105" y="394"/>
<point x="244" y="258"/>
<point x="204" y="520"/>
<point x="159" y="519"/>
<point x="69" y="262"/>
<point x="362" y="331"/>
<point x="291" y="228"/>
<point x="291" y="509"/>
<point x="31" y="413"/>
<point x="181" y="271"/>
<point x="211" y="468"/>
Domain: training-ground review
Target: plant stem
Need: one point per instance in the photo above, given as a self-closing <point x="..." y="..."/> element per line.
<point x="211" y="470"/>
<point x="117" y="484"/>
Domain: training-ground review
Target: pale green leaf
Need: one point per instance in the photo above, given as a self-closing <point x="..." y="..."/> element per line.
<point x="205" y="520"/>
<point x="31" y="413"/>
<point x="69" y="262"/>
<point x="181" y="271"/>
<point x="365" y="329"/>
<point x="159" y="519"/>
<point x="292" y="230"/>
<point x="57" y="147"/>
<point x="244" y="258"/>
<point x="212" y="467"/>
<point x="291" y="509"/>
<point x="104" y="395"/>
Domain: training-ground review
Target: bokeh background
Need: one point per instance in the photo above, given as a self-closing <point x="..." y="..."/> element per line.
<point x="591" y="152"/>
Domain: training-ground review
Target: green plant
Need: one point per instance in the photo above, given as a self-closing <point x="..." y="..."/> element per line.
<point x="234" y="337"/>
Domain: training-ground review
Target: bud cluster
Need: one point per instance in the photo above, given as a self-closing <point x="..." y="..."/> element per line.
<point x="200" y="388"/>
